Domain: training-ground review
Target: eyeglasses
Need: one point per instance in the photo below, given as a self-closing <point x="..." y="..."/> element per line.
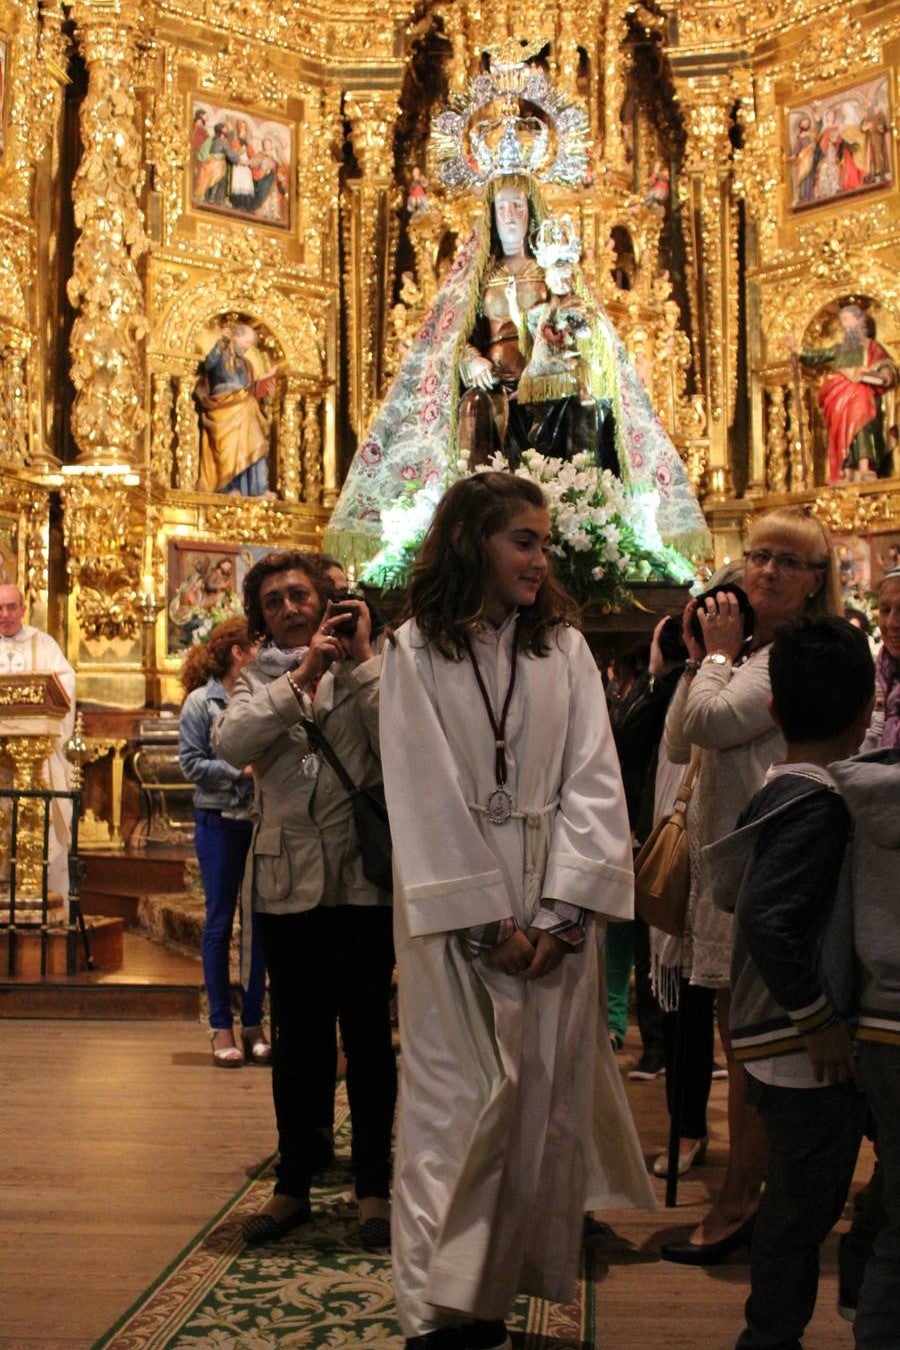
<point x="785" y="562"/>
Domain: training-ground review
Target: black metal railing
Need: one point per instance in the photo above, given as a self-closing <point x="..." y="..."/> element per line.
<point x="14" y="924"/>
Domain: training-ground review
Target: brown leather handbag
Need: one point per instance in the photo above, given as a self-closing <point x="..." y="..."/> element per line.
<point x="662" y="874"/>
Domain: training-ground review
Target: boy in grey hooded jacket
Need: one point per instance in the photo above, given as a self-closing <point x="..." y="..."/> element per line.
<point x="870" y="786"/>
<point x="780" y="873"/>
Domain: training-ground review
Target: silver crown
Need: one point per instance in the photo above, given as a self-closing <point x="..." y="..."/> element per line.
<point x="487" y="131"/>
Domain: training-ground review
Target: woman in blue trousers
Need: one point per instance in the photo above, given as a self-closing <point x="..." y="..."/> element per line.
<point x="222" y="833"/>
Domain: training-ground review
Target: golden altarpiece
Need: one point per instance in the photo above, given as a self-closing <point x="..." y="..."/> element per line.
<point x="709" y="233"/>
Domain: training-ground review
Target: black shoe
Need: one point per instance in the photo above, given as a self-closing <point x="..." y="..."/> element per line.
<point x="709" y="1253"/>
<point x="445" y="1338"/>
<point x="650" y="1065"/>
<point x="262" y="1228"/>
<point x="485" y="1336"/>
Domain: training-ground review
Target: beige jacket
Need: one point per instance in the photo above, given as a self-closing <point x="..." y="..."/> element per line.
<point x="304" y="851"/>
<point x="725" y="711"/>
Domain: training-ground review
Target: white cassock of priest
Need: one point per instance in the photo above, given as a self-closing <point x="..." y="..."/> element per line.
<point x="25" y="648"/>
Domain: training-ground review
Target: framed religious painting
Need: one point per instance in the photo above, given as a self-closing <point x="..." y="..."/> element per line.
<point x="853" y="560"/>
<point x="204" y="584"/>
<point x="861" y="561"/>
<point x="240" y="163"/>
<point x="840" y="144"/>
<point x="885" y="552"/>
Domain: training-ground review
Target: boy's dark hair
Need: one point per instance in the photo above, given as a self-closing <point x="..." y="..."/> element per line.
<point x="822" y="675"/>
<point x="671" y="643"/>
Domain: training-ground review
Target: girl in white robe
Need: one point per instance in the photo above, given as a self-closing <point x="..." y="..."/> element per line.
<point x="512" y="1117"/>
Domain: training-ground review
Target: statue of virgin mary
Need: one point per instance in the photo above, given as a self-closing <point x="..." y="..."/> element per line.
<point x="454" y="402"/>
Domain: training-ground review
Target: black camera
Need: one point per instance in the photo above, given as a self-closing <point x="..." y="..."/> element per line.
<point x="744" y="606"/>
<point x="346" y="629"/>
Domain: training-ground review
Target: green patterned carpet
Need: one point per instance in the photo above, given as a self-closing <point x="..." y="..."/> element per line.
<point x="315" y="1288"/>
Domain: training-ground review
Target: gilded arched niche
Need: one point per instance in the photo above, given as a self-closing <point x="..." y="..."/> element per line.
<point x="804" y="308"/>
<point x="289" y="337"/>
<point x="823" y="330"/>
<point x="179" y="334"/>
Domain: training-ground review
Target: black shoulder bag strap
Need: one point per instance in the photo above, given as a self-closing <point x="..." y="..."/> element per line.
<point x="319" y="741"/>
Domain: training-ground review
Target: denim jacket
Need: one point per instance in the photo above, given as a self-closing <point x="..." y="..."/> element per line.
<point x="220" y="787"/>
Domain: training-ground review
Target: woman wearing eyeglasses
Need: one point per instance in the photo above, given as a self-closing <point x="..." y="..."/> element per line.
<point x="722" y="706"/>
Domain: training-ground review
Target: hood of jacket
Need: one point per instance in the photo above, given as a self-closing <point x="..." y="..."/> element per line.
<point x="870" y="785"/>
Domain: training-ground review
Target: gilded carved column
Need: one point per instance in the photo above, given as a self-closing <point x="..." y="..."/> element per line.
<point x="312" y="452"/>
<point x="14" y="411"/>
<point x="103" y="557"/>
<point x="776" y="440"/>
<point x="317" y="177"/>
<point x="187" y="435"/>
<point x="371" y="239"/>
<point x="613" y="144"/>
<point x="570" y="34"/>
<point x="107" y="369"/>
<point x="710" y="227"/>
<point x="161" y="428"/>
<point x="799" y="438"/>
<point x="289" y="447"/>
<point x="454" y="31"/>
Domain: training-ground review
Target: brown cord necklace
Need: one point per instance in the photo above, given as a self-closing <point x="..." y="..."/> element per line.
<point x="499" y="805"/>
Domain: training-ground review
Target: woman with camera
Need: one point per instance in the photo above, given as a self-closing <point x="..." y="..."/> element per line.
<point x="326" y="930"/>
<point x="722" y="706"/>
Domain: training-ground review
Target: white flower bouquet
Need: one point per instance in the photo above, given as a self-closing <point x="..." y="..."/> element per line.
<point x="603" y="535"/>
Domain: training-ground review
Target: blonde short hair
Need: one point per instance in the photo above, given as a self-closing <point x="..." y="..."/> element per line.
<point x="793" y="527"/>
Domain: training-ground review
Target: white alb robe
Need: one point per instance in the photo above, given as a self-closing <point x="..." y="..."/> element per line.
<point x="512" y="1120"/>
<point x="30" y="649"/>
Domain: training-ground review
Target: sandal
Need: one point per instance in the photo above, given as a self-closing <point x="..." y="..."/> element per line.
<point x="256" y="1047"/>
<point x="225" y="1056"/>
<point x="694" y="1153"/>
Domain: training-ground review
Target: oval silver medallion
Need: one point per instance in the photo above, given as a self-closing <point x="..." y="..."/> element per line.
<point x="310" y="765"/>
<point x="499" y="806"/>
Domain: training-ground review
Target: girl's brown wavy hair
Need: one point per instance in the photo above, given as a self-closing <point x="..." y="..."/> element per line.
<point x="446" y="589"/>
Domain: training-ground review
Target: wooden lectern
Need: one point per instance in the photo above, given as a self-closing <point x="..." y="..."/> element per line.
<point x="33" y="705"/>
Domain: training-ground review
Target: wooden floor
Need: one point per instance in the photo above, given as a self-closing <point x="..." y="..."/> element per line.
<point x="121" y="1140"/>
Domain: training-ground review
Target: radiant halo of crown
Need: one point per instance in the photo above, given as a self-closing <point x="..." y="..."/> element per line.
<point x="512" y="120"/>
<point x="556" y="241"/>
